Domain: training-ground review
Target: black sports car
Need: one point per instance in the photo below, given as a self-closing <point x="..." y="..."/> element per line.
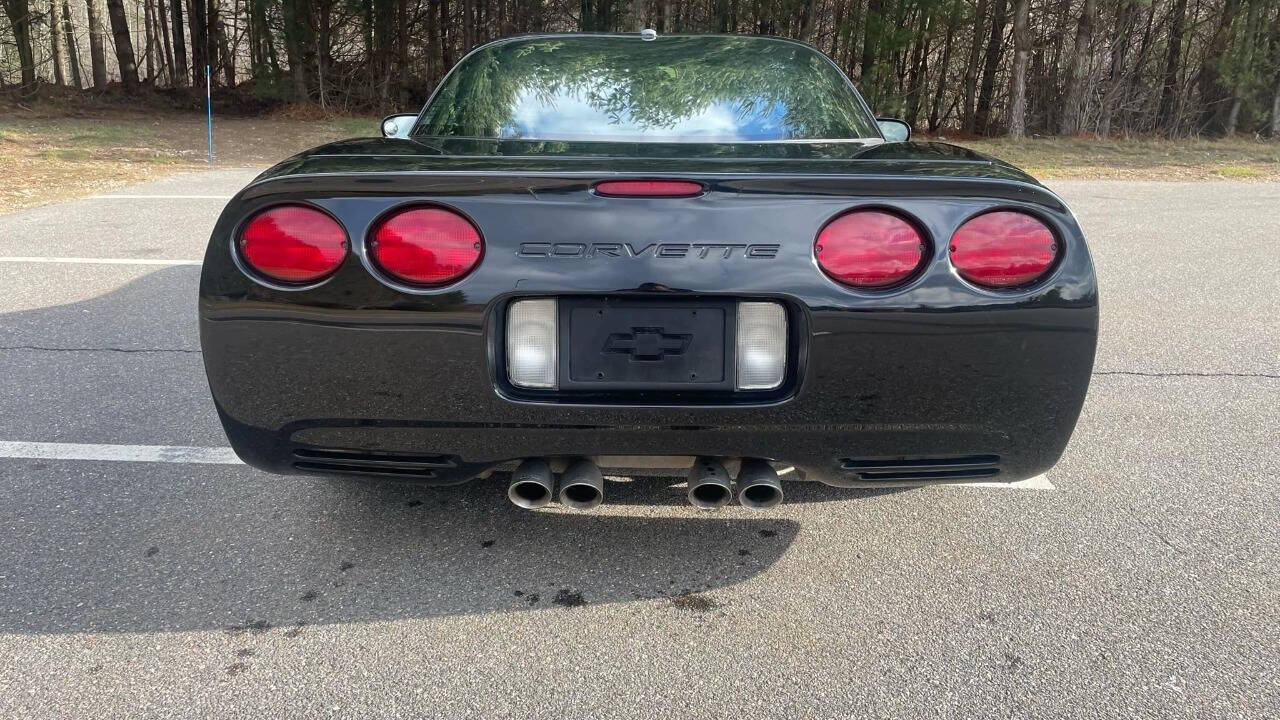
<point x="688" y="254"/>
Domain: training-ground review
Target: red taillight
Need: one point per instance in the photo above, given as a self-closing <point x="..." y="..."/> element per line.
<point x="1003" y="249"/>
<point x="293" y="244"/>
<point x="870" y="249"/>
<point x="648" y="188"/>
<point x="426" y="246"/>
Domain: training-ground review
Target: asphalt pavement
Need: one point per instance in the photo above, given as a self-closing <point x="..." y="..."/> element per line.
<point x="1142" y="580"/>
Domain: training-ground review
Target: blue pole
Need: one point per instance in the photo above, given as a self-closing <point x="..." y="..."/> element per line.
<point x="208" y="104"/>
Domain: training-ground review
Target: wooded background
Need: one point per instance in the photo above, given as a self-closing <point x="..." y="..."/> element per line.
<point x="969" y="67"/>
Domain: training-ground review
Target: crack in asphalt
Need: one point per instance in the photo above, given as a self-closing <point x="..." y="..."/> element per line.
<point x="1140" y="373"/>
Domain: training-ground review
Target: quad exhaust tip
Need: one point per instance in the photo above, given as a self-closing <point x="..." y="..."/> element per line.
<point x="709" y="485"/>
<point x="581" y="485"/>
<point x="532" y="484"/>
<point x="758" y="485"/>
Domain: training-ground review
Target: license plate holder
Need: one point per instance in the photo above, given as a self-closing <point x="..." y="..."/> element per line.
<point x="628" y="344"/>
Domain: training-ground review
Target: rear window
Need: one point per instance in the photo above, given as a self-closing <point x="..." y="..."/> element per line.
<point x="623" y="89"/>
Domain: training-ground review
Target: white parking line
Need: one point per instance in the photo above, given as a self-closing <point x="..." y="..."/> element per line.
<point x="159" y="197"/>
<point x="226" y="456"/>
<point x="1039" y="482"/>
<point x="119" y="453"/>
<point x="96" y="261"/>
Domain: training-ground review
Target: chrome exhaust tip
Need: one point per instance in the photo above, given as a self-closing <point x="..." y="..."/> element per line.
<point x="758" y="485"/>
<point x="581" y="485"/>
<point x="532" y="484"/>
<point x="709" y="485"/>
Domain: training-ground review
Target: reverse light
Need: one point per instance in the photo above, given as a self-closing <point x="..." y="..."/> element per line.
<point x="761" y="345"/>
<point x="427" y="246"/>
<point x="648" y="188"/>
<point x="869" y="249"/>
<point x="293" y="244"/>
<point x="1003" y="249"/>
<point x="531" y="343"/>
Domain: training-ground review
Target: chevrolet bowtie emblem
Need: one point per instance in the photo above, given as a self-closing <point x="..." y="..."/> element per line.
<point x="647" y="343"/>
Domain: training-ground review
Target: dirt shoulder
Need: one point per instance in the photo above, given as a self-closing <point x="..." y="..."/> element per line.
<point x="45" y="159"/>
<point x="1138" y="159"/>
<point x="47" y="155"/>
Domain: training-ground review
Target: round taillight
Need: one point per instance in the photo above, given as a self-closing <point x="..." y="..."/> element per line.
<point x="1003" y="249"/>
<point x="293" y="244"/>
<point x="426" y="246"/>
<point x="870" y="249"/>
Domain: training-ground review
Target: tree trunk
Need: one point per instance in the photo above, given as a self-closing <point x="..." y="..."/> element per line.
<point x="943" y="66"/>
<point x="1072" y="104"/>
<point x="919" y="67"/>
<point x="1169" y="90"/>
<point x="19" y="13"/>
<point x="967" y="121"/>
<point x="1021" y="57"/>
<point x="1245" y="70"/>
<point x="124" y="45"/>
<point x="871" y="33"/>
<point x="55" y="39"/>
<point x="226" y="62"/>
<point x="383" y="46"/>
<point x="810" y="20"/>
<point x="402" y="68"/>
<point x="73" y="52"/>
<point x="1215" y="98"/>
<point x="1115" y="84"/>
<point x="97" y="55"/>
<point x="199" y="22"/>
<point x="1274" y="129"/>
<point x="179" y="45"/>
<point x="162" y="29"/>
<point x="991" y="65"/>
<point x="148" y="33"/>
<point x="446" y="51"/>
<point x="299" y="44"/>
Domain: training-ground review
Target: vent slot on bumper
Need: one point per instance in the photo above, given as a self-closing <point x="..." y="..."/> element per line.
<point x="389" y="465"/>
<point x="937" y="469"/>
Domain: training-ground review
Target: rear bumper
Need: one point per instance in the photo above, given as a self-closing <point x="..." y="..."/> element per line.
<point x="301" y="395"/>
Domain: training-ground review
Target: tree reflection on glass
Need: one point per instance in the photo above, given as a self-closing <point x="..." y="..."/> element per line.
<point x="620" y="88"/>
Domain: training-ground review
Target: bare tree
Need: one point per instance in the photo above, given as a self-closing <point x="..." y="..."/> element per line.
<point x="179" y="45"/>
<point x="968" y="119"/>
<point x="1214" y="96"/>
<point x="124" y="45"/>
<point x="149" y="34"/>
<point x="991" y="63"/>
<point x="19" y="14"/>
<point x="73" y="52"/>
<point x="1021" y="57"/>
<point x="1073" y="103"/>
<point x="1170" y="92"/>
<point x="97" y="54"/>
<point x="55" y="39"/>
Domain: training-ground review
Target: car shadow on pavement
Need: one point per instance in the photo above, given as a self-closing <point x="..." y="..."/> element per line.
<point x="131" y="547"/>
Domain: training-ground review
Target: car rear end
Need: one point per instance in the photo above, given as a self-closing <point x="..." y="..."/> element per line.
<point x="861" y="315"/>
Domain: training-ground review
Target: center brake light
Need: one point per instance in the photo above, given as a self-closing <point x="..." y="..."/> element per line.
<point x="649" y="188"/>
<point x="426" y="246"/>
